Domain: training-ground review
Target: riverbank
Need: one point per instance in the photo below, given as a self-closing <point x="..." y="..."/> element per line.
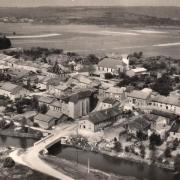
<point x="133" y="158"/>
<point x="79" y="171"/>
<point x="126" y="156"/>
<point x="17" y="171"/>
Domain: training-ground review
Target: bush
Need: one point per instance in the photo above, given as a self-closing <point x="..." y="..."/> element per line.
<point x="35" y="125"/>
<point x="127" y="149"/>
<point x="167" y="152"/>
<point x="155" y="140"/>
<point x="142" y="151"/>
<point x="117" y="146"/>
<point x="163" y="85"/>
<point x="5" y="43"/>
<point x="43" y="108"/>
<point x="8" y="162"/>
<point x="108" y="76"/>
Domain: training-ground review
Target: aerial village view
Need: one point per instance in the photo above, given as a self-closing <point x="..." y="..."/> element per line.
<point x="89" y="90"/>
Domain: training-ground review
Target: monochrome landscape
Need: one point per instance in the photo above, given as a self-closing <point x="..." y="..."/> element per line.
<point x="90" y="91"/>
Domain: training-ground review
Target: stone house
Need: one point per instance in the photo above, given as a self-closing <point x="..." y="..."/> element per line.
<point x="139" y="99"/>
<point x="113" y="64"/>
<point x="170" y="104"/>
<point x="13" y="91"/>
<point x="137" y="124"/>
<point x="99" y="120"/>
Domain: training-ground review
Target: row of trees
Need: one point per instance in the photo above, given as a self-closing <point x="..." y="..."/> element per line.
<point x="118" y="148"/>
<point x="163" y="85"/>
<point x="35" y="53"/>
<point x="32" y="104"/>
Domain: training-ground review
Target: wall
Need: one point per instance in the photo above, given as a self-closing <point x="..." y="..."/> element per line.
<point x="137" y="102"/>
<point x="86" y="125"/>
<point x="79" y="109"/>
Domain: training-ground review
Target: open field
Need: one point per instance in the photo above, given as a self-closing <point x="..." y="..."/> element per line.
<point x="97" y="39"/>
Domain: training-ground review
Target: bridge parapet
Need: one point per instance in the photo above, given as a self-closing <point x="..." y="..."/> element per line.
<point x="52" y="142"/>
<point x="43" y="140"/>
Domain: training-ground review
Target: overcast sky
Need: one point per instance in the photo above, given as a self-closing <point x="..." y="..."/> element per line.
<point x="29" y="3"/>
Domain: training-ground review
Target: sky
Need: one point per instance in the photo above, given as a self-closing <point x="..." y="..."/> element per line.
<point x="35" y="3"/>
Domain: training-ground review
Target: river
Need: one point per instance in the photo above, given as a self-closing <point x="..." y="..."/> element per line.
<point x="112" y="165"/>
<point x="97" y="161"/>
<point x="16" y="142"/>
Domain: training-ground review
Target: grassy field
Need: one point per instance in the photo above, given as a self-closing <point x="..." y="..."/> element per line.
<point x="98" y="39"/>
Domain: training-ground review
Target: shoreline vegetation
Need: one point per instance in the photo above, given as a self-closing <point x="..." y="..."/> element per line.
<point x="126" y="156"/>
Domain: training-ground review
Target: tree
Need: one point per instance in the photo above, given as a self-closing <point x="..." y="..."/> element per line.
<point x="35" y="103"/>
<point x="141" y="136"/>
<point x="92" y="59"/>
<point x="177" y="163"/>
<point x="142" y="151"/>
<point x="167" y="152"/>
<point x="5" y="43"/>
<point x="11" y="124"/>
<point x="153" y="153"/>
<point x="8" y="162"/>
<point x="117" y="146"/>
<point x="2" y="124"/>
<point x="29" y="87"/>
<point x="127" y="149"/>
<point x="23" y="122"/>
<point x="19" y="107"/>
<point x="115" y="139"/>
<point x="175" y="144"/>
<point x="163" y="85"/>
<point x="155" y="140"/>
<point x="43" y="109"/>
<point x="56" y="69"/>
<point x="108" y="76"/>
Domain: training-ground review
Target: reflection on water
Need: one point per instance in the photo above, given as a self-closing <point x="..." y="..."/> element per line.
<point x="112" y="165"/>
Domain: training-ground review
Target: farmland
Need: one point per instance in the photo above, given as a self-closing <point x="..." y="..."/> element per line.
<point x="152" y="41"/>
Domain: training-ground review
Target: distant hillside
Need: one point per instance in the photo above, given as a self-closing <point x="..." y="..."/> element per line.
<point x="160" y="12"/>
<point x="97" y="15"/>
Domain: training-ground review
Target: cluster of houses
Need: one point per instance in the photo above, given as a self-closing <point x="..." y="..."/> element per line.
<point x="94" y="101"/>
<point x="116" y="64"/>
<point x="148" y="101"/>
